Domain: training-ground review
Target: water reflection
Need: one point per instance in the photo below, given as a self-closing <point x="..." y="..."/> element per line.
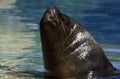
<point x="5" y="4"/>
<point x="20" y="48"/>
<point x="19" y="43"/>
<point x="46" y="75"/>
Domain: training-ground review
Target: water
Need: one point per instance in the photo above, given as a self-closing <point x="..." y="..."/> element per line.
<point x="20" y="46"/>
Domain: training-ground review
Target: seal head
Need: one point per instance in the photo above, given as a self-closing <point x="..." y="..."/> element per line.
<point x="68" y="48"/>
<point x="54" y="22"/>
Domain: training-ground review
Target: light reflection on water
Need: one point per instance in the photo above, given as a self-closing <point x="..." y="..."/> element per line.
<point x="19" y="44"/>
<point x="20" y="48"/>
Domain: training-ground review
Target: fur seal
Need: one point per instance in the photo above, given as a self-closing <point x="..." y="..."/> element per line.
<point x="68" y="48"/>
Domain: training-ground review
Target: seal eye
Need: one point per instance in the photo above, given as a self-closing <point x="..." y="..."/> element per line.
<point x="65" y="19"/>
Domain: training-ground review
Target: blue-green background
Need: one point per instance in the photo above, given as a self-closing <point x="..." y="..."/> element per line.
<point x="20" y="45"/>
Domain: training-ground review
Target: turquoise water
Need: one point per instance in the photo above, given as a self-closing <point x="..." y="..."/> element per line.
<point x="20" y="46"/>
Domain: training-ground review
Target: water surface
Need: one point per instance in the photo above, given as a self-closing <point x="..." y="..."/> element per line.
<point x="20" y="46"/>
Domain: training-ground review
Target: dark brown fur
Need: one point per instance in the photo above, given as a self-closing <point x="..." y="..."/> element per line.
<point x="68" y="48"/>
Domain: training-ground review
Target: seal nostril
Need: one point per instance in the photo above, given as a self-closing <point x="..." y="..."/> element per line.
<point x="53" y="9"/>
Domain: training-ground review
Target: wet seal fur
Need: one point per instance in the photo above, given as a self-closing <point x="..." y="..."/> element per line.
<point x="69" y="49"/>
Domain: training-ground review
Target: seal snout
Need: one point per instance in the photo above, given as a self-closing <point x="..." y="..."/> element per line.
<point x="52" y="11"/>
<point x="52" y="14"/>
